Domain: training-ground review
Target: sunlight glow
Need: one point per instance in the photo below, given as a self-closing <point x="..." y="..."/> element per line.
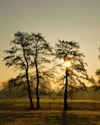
<point x="67" y="64"/>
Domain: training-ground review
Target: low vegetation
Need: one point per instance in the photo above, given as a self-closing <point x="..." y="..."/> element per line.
<point x="16" y="112"/>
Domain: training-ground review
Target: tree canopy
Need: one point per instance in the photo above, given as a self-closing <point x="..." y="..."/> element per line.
<point x="77" y="72"/>
<point x="18" y="57"/>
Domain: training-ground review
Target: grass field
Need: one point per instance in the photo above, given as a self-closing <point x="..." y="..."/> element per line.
<point x="16" y="112"/>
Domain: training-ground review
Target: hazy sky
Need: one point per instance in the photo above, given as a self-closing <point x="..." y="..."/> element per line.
<point x="77" y="20"/>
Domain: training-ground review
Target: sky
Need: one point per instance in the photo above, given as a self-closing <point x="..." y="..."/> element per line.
<point x="77" y="20"/>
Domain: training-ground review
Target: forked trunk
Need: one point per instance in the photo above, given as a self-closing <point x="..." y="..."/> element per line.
<point x="29" y="91"/>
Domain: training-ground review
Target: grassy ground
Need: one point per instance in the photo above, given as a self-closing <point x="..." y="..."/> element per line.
<point x="16" y="112"/>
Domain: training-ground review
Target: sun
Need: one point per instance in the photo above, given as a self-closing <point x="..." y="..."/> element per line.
<point x="67" y="64"/>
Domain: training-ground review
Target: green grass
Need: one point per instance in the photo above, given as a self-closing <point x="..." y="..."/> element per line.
<point x="16" y="112"/>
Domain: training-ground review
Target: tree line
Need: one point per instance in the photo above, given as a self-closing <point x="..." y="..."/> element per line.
<point x="32" y="55"/>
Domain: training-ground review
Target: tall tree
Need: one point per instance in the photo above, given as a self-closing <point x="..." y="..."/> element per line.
<point x="41" y="52"/>
<point x="76" y="74"/>
<point x="18" y="56"/>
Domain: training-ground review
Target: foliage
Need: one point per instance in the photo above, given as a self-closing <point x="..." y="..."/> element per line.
<point x="27" y="53"/>
<point x="97" y="87"/>
<point x="41" y="51"/>
<point x="77" y="72"/>
<point x="98" y="73"/>
<point x="18" y="56"/>
<point x="99" y="53"/>
<point x="19" y="49"/>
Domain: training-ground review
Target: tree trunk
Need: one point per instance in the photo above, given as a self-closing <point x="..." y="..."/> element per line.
<point x="37" y="88"/>
<point x="27" y="78"/>
<point x="29" y="91"/>
<point x="37" y="77"/>
<point x="65" y="93"/>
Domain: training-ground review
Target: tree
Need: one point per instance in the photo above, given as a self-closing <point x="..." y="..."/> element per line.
<point x="18" y="57"/>
<point x="77" y="73"/>
<point x="10" y="84"/>
<point x="99" y="53"/>
<point x="98" y="70"/>
<point x="98" y="75"/>
<point x="41" y="52"/>
<point x="45" y="80"/>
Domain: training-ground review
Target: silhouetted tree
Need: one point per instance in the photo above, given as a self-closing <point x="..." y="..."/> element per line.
<point x="77" y="73"/>
<point x="11" y="83"/>
<point x="18" y="56"/>
<point x="41" y="52"/>
<point x="17" y="82"/>
<point x="45" y="79"/>
<point x="98" y="71"/>
<point x="99" y="53"/>
<point x="98" y="75"/>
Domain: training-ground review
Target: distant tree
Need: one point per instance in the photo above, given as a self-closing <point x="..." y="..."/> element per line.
<point x="98" y="75"/>
<point x="11" y="83"/>
<point x="45" y="81"/>
<point x="99" y="53"/>
<point x="41" y="52"/>
<point x="18" y="81"/>
<point x="77" y="74"/>
<point x="18" y="57"/>
<point x="98" y="71"/>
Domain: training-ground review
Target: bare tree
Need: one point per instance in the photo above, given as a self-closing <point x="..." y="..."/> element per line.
<point x="18" y="57"/>
<point x="41" y="52"/>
